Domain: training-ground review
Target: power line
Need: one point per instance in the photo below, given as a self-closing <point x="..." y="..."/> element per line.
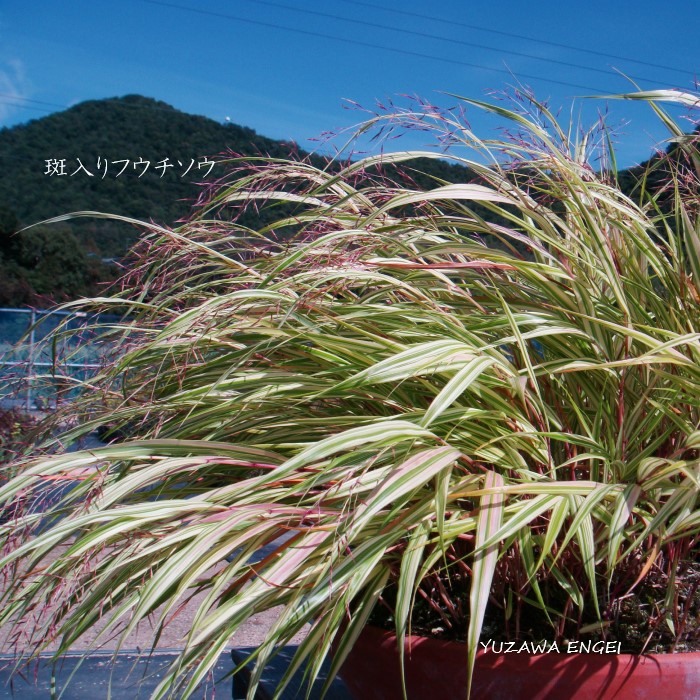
<point x="425" y="35"/>
<point x="513" y="35"/>
<point x="27" y="99"/>
<point x="366" y="44"/>
<point x="34" y="109"/>
<point x="4" y="97"/>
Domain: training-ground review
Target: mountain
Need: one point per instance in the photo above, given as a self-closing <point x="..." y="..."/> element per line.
<point x="133" y="156"/>
<point x="123" y="143"/>
<point x="130" y="155"/>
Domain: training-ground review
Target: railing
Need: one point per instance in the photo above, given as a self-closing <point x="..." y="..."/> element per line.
<point x="39" y="366"/>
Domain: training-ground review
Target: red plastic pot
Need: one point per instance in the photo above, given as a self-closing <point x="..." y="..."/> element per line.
<point x="437" y="669"/>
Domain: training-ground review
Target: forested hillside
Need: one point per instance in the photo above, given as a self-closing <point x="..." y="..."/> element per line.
<point x="133" y="156"/>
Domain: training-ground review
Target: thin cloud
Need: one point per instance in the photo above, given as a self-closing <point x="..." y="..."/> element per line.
<point x="14" y="88"/>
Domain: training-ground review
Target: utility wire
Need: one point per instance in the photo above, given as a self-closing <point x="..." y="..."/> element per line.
<point x="425" y="35"/>
<point x="366" y="44"/>
<point x="5" y="97"/>
<point x="512" y="35"/>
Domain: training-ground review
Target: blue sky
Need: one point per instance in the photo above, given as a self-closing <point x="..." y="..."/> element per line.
<point x="285" y="67"/>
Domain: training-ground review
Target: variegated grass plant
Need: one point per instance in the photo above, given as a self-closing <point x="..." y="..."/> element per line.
<point x="414" y="396"/>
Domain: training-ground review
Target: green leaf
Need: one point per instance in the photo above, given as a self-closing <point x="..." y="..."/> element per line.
<point x="485" y="559"/>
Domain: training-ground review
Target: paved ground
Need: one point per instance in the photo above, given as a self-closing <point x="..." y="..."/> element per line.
<point x="251" y="634"/>
<point x="135" y="675"/>
<point x="97" y="678"/>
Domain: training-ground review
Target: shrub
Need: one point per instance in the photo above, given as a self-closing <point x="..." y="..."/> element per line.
<point x="15" y="426"/>
<point x="423" y="410"/>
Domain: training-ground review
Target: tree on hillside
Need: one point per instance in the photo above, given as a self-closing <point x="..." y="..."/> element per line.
<point x="45" y="264"/>
<point x="9" y="225"/>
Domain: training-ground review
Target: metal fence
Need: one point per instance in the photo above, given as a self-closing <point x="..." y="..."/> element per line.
<point x="45" y="354"/>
